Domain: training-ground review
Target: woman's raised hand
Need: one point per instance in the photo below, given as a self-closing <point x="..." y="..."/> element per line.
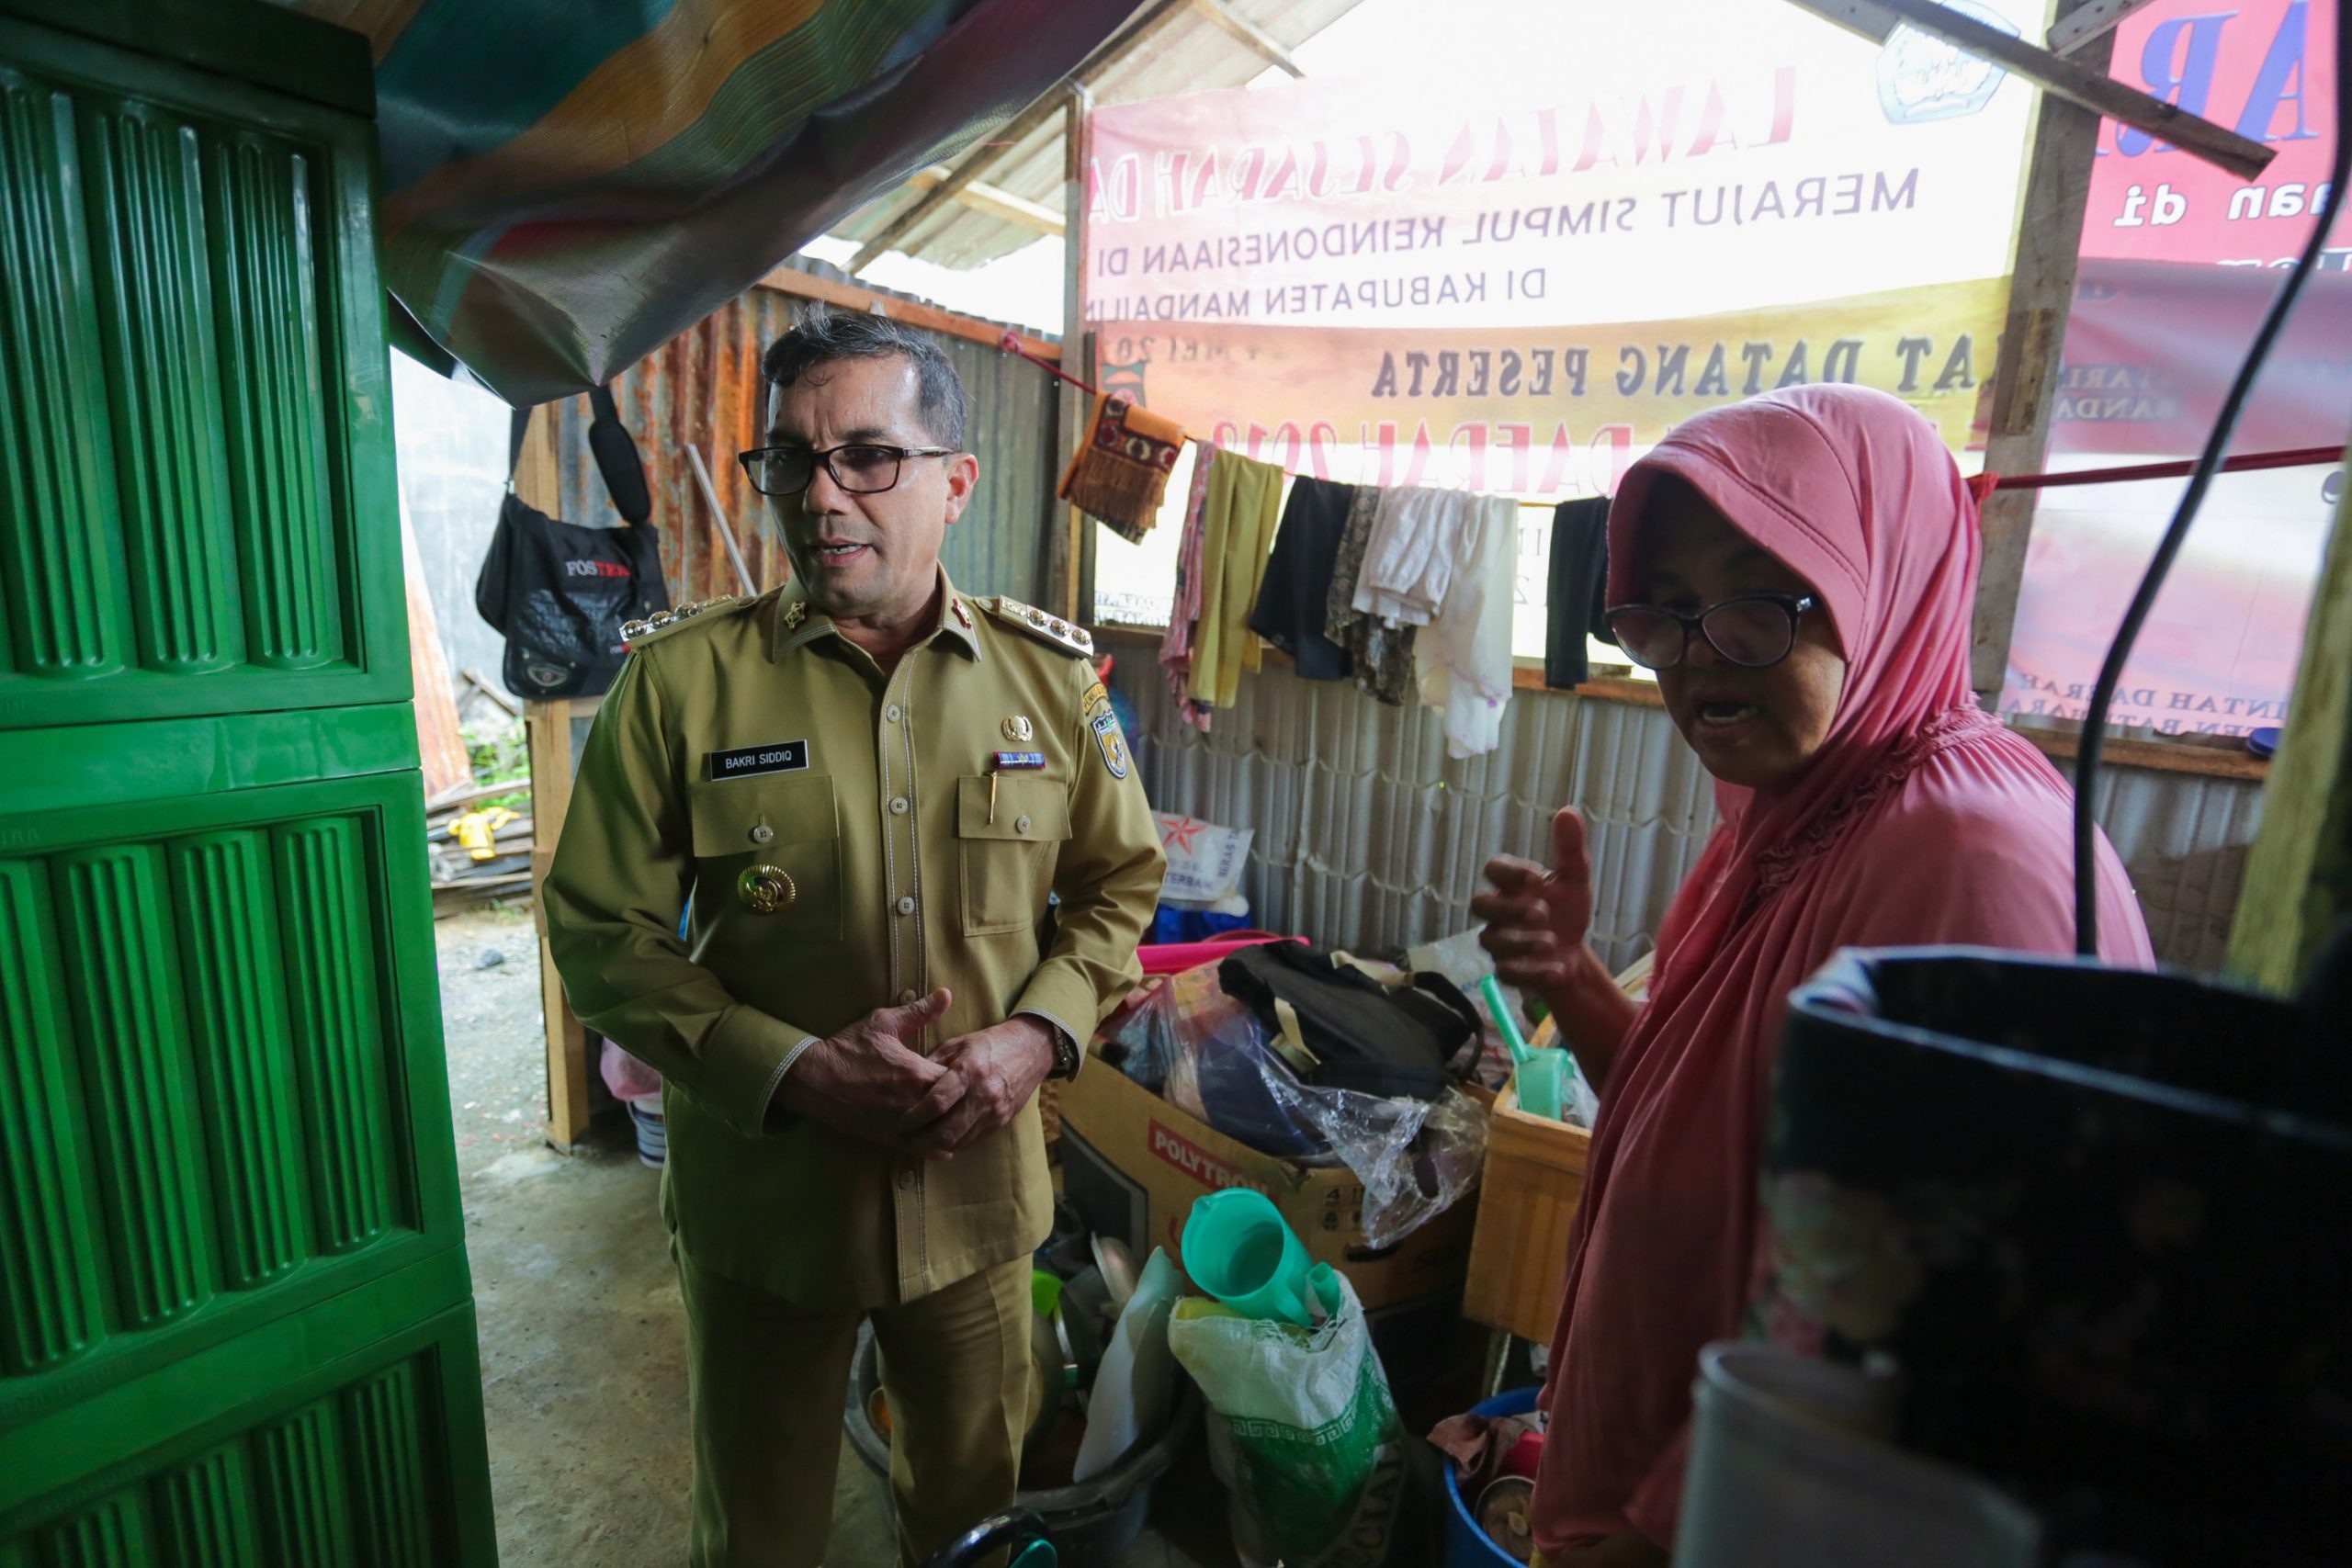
<point x="1537" y="916"/>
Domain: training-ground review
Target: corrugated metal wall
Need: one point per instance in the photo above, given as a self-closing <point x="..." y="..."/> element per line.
<point x="704" y="388"/>
<point x="1369" y="837"/>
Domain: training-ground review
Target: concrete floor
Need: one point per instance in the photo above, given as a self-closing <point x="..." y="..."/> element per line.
<point x="582" y="1333"/>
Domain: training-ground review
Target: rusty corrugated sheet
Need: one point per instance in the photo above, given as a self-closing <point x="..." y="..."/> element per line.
<point x="704" y="388"/>
<point x="1370" y="837"/>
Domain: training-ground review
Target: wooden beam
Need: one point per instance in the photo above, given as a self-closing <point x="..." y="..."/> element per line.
<point x="1067" y="571"/>
<point x="2025" y="387"/>
<point x="1145" y="30"/>
<point x="2299" y="878"/>
<point x="2093" y="90"/>
<point x="2085" y="22"/>
<point x="548" y="728"/>
<point x="856" y="296"/>
<point x="1252" y="37"/>
<point x="995" y="203"/>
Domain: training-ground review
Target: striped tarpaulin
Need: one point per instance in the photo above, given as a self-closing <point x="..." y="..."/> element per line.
<point x="567" y="184"/>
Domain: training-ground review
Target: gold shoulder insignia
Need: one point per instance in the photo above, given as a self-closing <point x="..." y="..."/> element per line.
<point x="636" y="634"/>
<point x="1051" y="630"/>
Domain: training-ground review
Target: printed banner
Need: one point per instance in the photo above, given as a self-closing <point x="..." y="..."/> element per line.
<point x="2264" y="68"/>
<point x="2178" y="268"/>
<point x="1356" y="282"/>
<point x="1550" y="411"/>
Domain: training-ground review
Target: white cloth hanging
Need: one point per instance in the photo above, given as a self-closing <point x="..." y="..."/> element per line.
<point x="1409" y="562"/>
<point x="1463" y="660"/>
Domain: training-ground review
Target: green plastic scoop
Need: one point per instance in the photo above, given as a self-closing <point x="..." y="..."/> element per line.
<point x="1542" y="1076"/>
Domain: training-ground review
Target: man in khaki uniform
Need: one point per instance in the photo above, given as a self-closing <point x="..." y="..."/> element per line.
<point x="857" y="793"/>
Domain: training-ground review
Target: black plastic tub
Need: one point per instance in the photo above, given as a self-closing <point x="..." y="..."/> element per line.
<point x="2103" y="1221"/>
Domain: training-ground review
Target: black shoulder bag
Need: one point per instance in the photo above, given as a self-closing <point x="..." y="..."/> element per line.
<point x="560" y="593"/>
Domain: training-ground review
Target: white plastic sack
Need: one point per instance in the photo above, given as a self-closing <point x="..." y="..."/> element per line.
<point x="1136" y="1386"/>
<point x="1304" y="1432"/>
<point x="1204" y="861"/>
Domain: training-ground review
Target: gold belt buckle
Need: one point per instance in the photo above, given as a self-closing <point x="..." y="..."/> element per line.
<point x="766" y="889"/>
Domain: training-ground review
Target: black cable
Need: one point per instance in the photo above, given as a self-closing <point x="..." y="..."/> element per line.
<point x="2111" y="673"/>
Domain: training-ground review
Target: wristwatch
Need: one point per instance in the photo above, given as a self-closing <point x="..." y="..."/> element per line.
<point x="1067" y="1055"/>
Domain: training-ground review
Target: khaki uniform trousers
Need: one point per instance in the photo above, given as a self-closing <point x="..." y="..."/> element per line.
<point x="767" y="1381"/>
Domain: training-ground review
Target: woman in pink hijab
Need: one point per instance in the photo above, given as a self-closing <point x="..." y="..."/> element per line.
<point x="1800" y="570"/>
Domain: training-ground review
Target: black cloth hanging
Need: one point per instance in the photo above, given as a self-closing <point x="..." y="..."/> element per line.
<point x="560" y="593"/>
<point x="1291" y="600"/>
<point x="1579" y="583"/>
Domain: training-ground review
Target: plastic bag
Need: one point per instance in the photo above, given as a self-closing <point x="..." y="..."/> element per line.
<point x="1306" y="1436"/>
<point x="1208" y="1055"/>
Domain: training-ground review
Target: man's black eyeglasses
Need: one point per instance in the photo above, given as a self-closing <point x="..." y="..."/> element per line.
<point x="1755" y="630"/>
<point x="860" y="467"/>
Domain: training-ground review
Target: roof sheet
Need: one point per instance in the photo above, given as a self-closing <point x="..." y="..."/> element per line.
<point x="1194" y="54"/>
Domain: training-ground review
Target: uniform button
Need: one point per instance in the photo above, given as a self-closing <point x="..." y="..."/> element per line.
<point x="898" y="805"/>
<point x="1020" y="824"/>
<point x="907" y="997"/>
<point x="891" y="713"/>
<point x="762" y="833"/>
<point x="906" y="1181"/>
<point x="907" y="904"/>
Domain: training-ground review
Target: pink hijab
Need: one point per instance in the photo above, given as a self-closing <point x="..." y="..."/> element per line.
<point x="1922" y="820"/>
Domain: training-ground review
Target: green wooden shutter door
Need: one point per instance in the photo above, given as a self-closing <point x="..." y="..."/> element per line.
<point x="236" y="1325"/>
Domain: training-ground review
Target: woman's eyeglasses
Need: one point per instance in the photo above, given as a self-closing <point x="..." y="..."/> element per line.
<point x="860" y="467"/>
<point x="1755" y="630"/>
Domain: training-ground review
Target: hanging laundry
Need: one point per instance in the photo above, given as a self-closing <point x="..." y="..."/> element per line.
<point x="1382" y="653"/>
<point x="1292" y="601"/>
<point x="1121" y="473"/>
<point x="1183" y="616"/>
<point x="1462" y="659"/>
<point x="1577" y="590"/>
<point x="1238" y="526"/>
<point x="1410" y="558"/>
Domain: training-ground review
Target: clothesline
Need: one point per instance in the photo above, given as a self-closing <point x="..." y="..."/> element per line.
<point x="2295" y="457"/>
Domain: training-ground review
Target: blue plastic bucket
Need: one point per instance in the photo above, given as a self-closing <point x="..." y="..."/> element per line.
<point x="1466" y="1545"/>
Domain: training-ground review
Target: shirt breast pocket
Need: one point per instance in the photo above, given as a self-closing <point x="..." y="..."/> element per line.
<point x="767" y="842"/>
<point x="1006" y="856"/>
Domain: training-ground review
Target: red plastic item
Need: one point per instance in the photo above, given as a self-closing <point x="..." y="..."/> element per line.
<point x="1526" y="1455"/>
<point x="1174" y="957"/>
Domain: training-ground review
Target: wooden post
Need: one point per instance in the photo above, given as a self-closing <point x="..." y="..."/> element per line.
<point x="2298" y="879"/>
<point x="2041" y="292"/>
<point x="548" y="727"/>
<point x="1071" y="575"/>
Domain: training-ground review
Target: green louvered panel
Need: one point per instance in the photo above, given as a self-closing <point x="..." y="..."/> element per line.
<point x="60" y="586"/>
<point x="236" y="1327"/>
<point x="112" y="1535"/>
<point x="49" y="1276"/>
<point x="267" y="291"/>
<point x="372" y="1459"/>
<point x="141" y="1108"/>
<point x="213" y="1025"/>
<point x="305" y="1515"/>
<point x="194" y="399"/>
<point x="203" y="1517"/>
<point x="237" y="1014"/>
<point x="156" y="326"/>
<point x="321" y="883"/>
<point x="387" y="1416"/>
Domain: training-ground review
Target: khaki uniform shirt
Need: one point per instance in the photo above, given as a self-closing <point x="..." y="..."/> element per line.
<point x="756" y="736"/>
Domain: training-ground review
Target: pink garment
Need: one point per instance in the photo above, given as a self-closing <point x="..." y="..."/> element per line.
<point x="1921" y="820"/>
<point x="1176" y="648"/>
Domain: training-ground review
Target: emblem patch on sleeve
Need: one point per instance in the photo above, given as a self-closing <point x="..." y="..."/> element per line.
<point x="1110" y="741"/>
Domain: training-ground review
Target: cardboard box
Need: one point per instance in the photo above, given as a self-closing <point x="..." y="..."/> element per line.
<point x="1134" y="1165"/>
